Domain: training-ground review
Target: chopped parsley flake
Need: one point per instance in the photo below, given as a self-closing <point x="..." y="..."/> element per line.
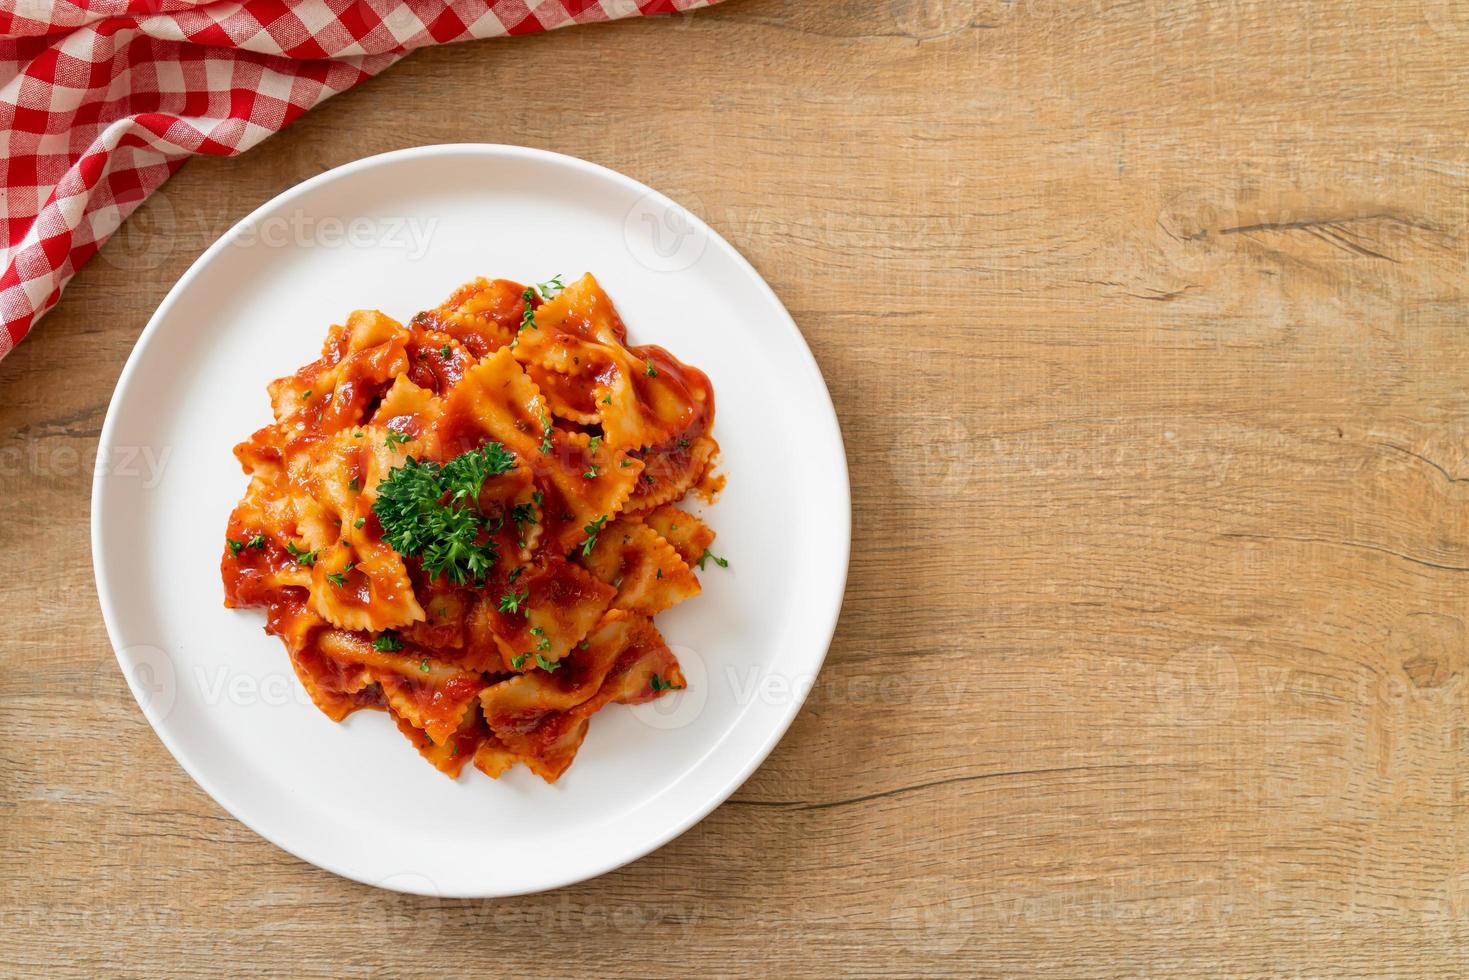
<point x="302" y="556"/>
<point x="387" y="642"/>
<point x="511" y="601"/>
<point x="707" y="555"/>
<point x="235" y="546"/>
<point x="592" y="530"/>
<point x="518" y="661"/>
<point x="257" y="542"/>
<point x="546" y="664"/>
<point x="649" y="370"/>
<point x="396" y="438"/>
<point x="659" y="684"/>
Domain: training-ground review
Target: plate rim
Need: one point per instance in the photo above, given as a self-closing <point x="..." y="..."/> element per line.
<point x="534" y="155"/>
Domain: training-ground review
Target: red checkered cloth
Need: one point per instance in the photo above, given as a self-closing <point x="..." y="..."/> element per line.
<point x="102" y="101"/>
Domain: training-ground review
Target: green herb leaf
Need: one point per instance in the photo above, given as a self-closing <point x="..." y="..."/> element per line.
<point x="592" y="530"/>
<point x="387" y="642"/>
<point x="659" y="684"/>
<point x="649" y="370"/>
<point x="465" y="475"/>
<point x="396" y="438"/>
<point x="546" y="664"/>
<point x="257" y="542"/>
<point x="359" y="522"/>
<point x="235" y="547"/>
<point x="302" y="556"/>
<point x="511" y="601"/>
<point x="518" y="661"/>
<point x="706" y="556"/>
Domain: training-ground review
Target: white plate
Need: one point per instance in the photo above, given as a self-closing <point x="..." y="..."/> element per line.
<point x="397" y="232"/>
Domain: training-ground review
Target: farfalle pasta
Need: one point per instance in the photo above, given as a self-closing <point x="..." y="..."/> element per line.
<point x="469" y="521"/>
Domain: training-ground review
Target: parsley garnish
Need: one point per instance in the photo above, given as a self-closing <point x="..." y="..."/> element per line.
<point x="553" y="283"/>
<point x="339" y="579"/>
<point x="659" y="684"/>
<point x="593" y="443"/>
<point x="423" y="666"/>
<point x="592" y="530"/>
<point x="302" y="556"/>
<point x="546" y="664"/>
<point x="523" y="514"/>
<point x="537" y="496"/>
<point x="649" y="370"/>
<point x="465" y="475"/>
<point x="591" y="473"/>
<point x="419" y="505"/>
<point x="359" y="522"/>
<point x="257" y="542"/>
<point x="306" y="394"/>
<point x="528" y="318"/>
<point x="545" y="433"/>
<point x="544" y="643"/>
<point x="721" y="562"/>
<point x="518" y="661"/>
<point x="387" y="642"/>
<point x="514" y="573"/>
<point x="354" y="484"/>
<point x="396" y="438"/>
<point x="607" y="400"/>
<point x="511" y="601"/>
<point x="444" y="352"/>
<point x="235" y="547"/>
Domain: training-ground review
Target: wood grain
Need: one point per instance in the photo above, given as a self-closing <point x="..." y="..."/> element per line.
<point x="1145" y="322"/>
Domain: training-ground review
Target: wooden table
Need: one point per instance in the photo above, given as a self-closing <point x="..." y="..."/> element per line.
<point x="1146" y="326"/>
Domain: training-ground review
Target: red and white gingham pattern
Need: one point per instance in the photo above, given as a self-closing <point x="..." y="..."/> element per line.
<point x="100" y="103"/>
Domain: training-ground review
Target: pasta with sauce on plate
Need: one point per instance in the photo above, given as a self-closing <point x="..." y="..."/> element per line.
<point x="470" y="521"/>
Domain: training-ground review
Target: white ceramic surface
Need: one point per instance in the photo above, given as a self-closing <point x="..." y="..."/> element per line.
<point x="397" y="232"/>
